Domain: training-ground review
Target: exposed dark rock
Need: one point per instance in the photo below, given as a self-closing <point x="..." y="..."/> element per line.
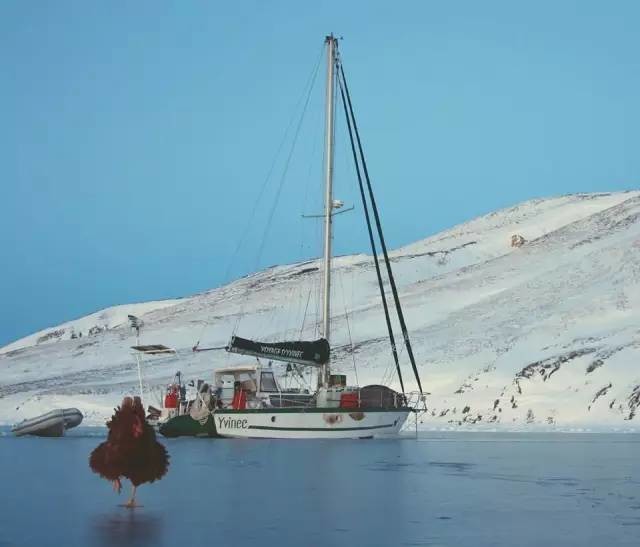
<point x="600" y="393"/>
<point x="96" y="330"/>
<point x="517" y="240"/>
<point x="465" y="387"/>
<point x="87" y="344"/>
<point x="530" y="416"/>
<point x="609" y="225"/>
<point x="14" y="352"/>
<point x="304" y="271"/>
<point x="443" y="253"/>
<point x="634" y="402"/>
<point x="553" y="371"/>
<point x="594" y="365"/>
<point x="546" y="367"/>
<point x="50" y="335"/>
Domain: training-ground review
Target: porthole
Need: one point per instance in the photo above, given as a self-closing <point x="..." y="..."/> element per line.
<point x="273" y="418"/>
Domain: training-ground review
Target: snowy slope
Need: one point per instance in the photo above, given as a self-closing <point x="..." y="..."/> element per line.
<point x="546" y="334"/>
<point x="89" y="325"/>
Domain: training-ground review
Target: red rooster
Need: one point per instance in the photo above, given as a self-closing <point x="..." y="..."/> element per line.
<point x="130" y="451"/>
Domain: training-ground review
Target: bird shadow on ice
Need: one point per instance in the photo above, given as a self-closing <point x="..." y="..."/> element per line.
<point x="126" y="527"/>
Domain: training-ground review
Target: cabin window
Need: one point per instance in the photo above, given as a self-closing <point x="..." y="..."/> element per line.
<point x="268" y="382"/>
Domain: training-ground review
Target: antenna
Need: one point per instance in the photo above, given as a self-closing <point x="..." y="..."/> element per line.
<point x="136" y="324"/>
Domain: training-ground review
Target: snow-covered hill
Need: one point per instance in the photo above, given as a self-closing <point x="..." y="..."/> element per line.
<point x="542" y="334"/>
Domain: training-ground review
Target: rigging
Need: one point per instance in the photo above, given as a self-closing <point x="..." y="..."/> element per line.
<point x="374" y="250"/>
<point x="394" y="289"/>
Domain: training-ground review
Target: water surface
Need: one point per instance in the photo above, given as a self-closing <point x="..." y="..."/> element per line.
<point x="453" y="489"/>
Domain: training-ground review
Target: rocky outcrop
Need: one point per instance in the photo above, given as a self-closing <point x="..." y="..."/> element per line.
<point x="517" y="240"/>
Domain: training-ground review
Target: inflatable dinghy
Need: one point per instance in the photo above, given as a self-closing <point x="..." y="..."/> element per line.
<point x="51" y="424"/>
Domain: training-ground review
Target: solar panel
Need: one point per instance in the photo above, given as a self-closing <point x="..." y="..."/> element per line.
<point x="153" y="349"/>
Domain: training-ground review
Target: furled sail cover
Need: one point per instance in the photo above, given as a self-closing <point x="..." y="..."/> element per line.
<point x="303" y="353"/>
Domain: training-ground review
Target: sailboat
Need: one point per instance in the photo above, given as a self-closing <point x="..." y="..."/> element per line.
<point x="247" y="400"/>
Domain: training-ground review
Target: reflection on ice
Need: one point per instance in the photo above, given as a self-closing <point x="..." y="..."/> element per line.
<point x="127" y="527"/>
<point x="458" y="489"/>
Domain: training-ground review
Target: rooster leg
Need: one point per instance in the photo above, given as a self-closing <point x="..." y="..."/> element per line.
<point x="132" y="501"/>
<point x="117" y="485"/>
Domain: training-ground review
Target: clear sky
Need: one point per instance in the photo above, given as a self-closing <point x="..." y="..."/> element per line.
<point x="135" y="137"/>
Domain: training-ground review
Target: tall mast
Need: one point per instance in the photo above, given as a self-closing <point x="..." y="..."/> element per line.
<point x="328" y="199"/>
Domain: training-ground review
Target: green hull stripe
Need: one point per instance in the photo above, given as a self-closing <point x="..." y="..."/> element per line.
<point x="302" y="410"/>
<point x="186" y="426"/>
<point x="269" y="428"/>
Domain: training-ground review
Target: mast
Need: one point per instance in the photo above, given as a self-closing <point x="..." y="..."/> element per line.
<point x="328" y="200"/>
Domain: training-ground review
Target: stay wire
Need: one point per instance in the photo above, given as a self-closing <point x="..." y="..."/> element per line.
<point x="265" y="182"/>
<point x="304" y="317"/>
<point x="279" y="190"/>
<point x="372" y="242"/>
<point x="394" y="289"/>
<point x="346" y="316"/>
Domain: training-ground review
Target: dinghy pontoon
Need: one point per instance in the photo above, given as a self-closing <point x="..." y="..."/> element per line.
<point x="51" y="424"/>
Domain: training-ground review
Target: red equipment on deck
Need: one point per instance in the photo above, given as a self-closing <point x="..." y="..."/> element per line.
<point x="239" y="401"/>
<point x="171" y="398"/>
<point x="349" y="400"/>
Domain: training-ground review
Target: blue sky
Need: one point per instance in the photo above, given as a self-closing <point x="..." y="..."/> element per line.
<point x="135" y="137"/>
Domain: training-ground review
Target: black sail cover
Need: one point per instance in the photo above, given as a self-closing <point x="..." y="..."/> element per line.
<point x="303" y="353"/>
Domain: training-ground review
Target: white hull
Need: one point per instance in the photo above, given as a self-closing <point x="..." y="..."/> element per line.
<point x="317" y="423"/>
